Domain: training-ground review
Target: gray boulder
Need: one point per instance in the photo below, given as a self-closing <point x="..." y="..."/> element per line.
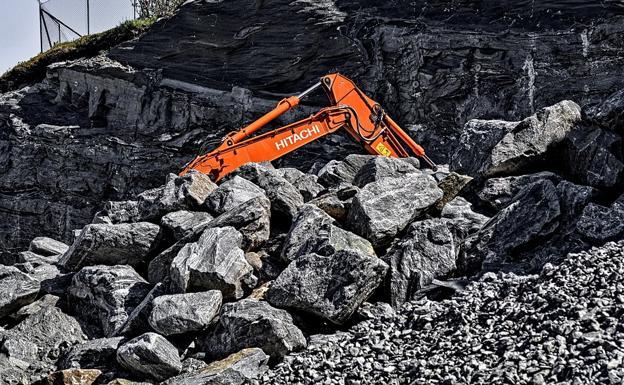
<point x="178" y="193"/>
<point x="426" y="251"/>
<point x="137" y="321"/>
<point x="215" y="261"/>
<point x="285" y="198"/>
<point x="331" y="287"/>
<point x="183" y="313"/>
<point x="17" y="288"/>
<point x="336" y="172"/>
<point x="99" y="353"/>
<point x="31" y="257"/>
<point x="382" y="166"/>
<point x="118" y="212"/>
<point x="150" y="355"/>
<point x="104" y="296"/>
<point x="120" y="244"/>
<point x="307" y="184"/>
<point x="47" y="246"/>
<point x="313" y="231"/>
<point x="599" y="224"/>
<point x="493" y="148"/>
<point x="497" y="193"/>
<point x="236" y="369"/>
<point x="383" y="208"/>
<point x="337" y="201"/>
<point x="231" y="194"/>
<point x="610" y="113"/>
<point x="251" y="323"/>
<point x="179" y="224"/>
<point x="47" y="300"/>
<point x="462" y="220"/>
<point x="533" y="214"/>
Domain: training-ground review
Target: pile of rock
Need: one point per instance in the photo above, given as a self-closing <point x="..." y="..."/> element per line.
<point x="196" y="283"/>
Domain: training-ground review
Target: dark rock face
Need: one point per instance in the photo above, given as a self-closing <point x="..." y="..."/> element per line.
<point x="150" y="355"/>
<point x="179" y="224"/>
<point x="120" y="244"/>
<point x="96" y="354"/>
<point x="17" y="288"/>
<point x="381" y="167"/>
<point x="428" y="250"/>
<point x="331" y="287"/>
<point x="251" y="323"/>
<point x="336" y="172"/>
<point x="384" y="208"/>
<point x="183" y="313"/>
<point x="231" y="194"/>
<point x="47" y="246"/>
<point x="104" y="296"/>
<point x="600" y="224"/>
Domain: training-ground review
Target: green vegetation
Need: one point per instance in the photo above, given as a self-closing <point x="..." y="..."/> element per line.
<point x="34" y="70"/>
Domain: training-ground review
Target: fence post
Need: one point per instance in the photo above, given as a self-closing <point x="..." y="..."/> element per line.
<point x="40" y="26"/>
<point x="88" y="19"/>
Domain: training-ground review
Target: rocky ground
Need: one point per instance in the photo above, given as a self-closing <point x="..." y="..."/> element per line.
<point x="502" y="266"/>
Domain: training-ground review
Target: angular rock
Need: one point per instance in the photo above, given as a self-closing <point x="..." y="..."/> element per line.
<point x="47" y="246"/>
<point x="36" y="259"/>
<point x="426" y="251"/>
<point x="461" y="219"/>
<point x="99" y="353"/>
<point x="599" y="224"/>
<point x="47" y="300"/>
<point x="331" y="287"/>
<point x="215" y="261"/>
<point x="17" y="288"/>
<point x="52" y="280"/>
<point x="150" y="355"/>
<point x="266" y="267"/>
<point x="379" y="167"/>
<point x="74" y="377"/>
<point x="104" y="296"/>
<point x="137" y="321"/>
<point x="313" y="231"/>
<point x="38" y="340"/>
<point x="187" y="192"/>
<point x="120" y="244"/>
<point x="531" y="215"/>
<point x="609" y="113"/>
<point x="307" y="184"/>
<point x="251" y="323"/>
<point x="231" y="194"/>
<point x="285" y="198"/>
<point x="493" y="148"/>
<point x="336" y="172"/>
<point x="336" y="202"/>
<point x="179" y="224"/>
<point x="451" y="185"/>
<point x="118" y="212"/>
<point x="498" y="192"/>
<point x="384" y="208"/>
<point x="183" y="313"/>
<point x="235" y="369"/>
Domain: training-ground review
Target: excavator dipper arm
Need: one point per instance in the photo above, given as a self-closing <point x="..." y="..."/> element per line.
<point x="351" y="109"/>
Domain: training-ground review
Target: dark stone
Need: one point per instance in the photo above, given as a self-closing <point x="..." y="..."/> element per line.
<point x="380" y="167"/>
<point x="307" y="184"/>
<point x="231" y="194"/>
<point x="599" y="224"/>
<point x="336" y="172"/>
<point x="498" y="192"/>
<point x="179" y="224"/>
<point x="93" y="354"/>
<point x="17" y="288"/>
<point x="150" y="355"/>
<point x="183" y="313"/>
<point x="47" y="247"/>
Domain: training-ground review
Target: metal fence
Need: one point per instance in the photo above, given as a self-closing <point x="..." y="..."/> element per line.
<point x="66" y="20"/>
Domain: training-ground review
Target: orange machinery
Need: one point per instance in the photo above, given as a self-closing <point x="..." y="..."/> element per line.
<point x="350" y="109"/>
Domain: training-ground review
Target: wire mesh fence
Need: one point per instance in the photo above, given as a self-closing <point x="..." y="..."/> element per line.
<point x="66" y="20"/>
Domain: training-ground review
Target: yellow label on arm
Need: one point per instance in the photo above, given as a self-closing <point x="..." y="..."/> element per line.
<point x="383" y="150"/>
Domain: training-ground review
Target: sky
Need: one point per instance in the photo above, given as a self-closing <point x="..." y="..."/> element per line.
<point x="19" y="23"/>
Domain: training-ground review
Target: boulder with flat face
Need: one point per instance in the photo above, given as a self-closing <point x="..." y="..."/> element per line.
<point x="106" y="244"/>
<point x="184" y="313"/>
<point x="179" y="224"/>
<point x="18" y="289"/>
<point x="214" y="262"/>
<point x="379" y="167"/>
<point x="231" y="194"/>
<point x="383" y="208"/>
<point x="98" y="353"/>
<point x="47" y="246"/>
<point x="307" y="184"/>
<point x="336" y="172"/>
<point x="599" y="224"/>
<point x="150" y="355"/>
<point x="331" y="287"/>
<point x="249" y="322"/>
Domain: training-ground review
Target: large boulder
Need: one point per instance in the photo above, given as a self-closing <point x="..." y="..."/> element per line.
<point x="231" y="194"/>
<point x="47" y="246"/>
<point x="331" y="287"/>
<point x="497" y="193"/>
<point x="609" y="113"/>
<point x="599" y="224"/>
<point x="150" y="355"/>
<point x="179" y="224"/>
<point x="493" y="148"/>
<point x="251" y="323"/>
<point x="336" y="172"/>
<point x="17" y="288"/>
<point x="307" y="184"/>
<point x="379" y="167"/>
<point x="99" y="353"/>
<point x="214" y="262"/>
<point x="532" y="215"/>
<point x="462" y="220"/>
<point x="252" y="219"/>
<point x="426" y="251"/>
<point x="235" y="369"/>
<point x="104" y="296"/>
<point x="187" y="192"/>
<point x="183" y="313"/>
<point x="285" y="198"/>
<point x="107" y="244"/>
<point x="313" y="231"/>
<point x="336" y="202"/>
<point x="383" y="208"/>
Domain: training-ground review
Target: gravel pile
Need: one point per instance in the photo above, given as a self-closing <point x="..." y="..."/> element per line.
<point x="561" y="326"/>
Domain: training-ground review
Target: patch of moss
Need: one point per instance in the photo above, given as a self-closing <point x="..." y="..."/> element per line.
<point x="34" y="70"/>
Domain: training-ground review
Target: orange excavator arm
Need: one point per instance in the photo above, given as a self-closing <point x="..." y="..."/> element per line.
<point x="351" y="109"/>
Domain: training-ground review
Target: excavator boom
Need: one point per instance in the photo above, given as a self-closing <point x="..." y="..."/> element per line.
<point x="351" y="109"/>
